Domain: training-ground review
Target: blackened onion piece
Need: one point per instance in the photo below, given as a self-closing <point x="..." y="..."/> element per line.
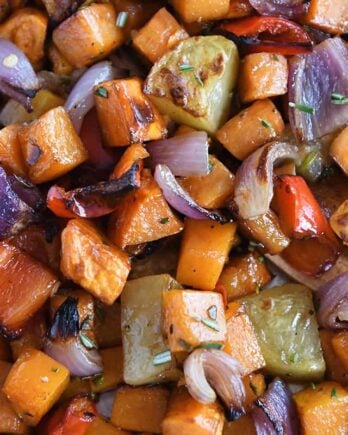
<point x="275" y="412"/>
<point x="66" y="320"/>
<point x="286" y="8"/>
<point x="313" y="79"/>
<point x="333" y="300"/>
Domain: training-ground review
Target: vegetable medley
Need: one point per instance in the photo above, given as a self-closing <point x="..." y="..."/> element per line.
<point x="174" y="217"/>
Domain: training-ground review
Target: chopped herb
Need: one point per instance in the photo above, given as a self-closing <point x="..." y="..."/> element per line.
<point x="338" y="99"/>
<point x="266" y="124"/>
<point x="185" y="67"/>
<point x="313" y="386"/>
<point x="102" y="92"/>
<point x="162" y="358"/>
<point x="254" y="245"/>
<point x="211" y="165"/>
<point x="261" y="259"/>
<point x="98" y="380"/>
<point x="294" y="357"/>
<point x="211" y="324"/>
<point x="275" y="57"/>
<point x="122" y="18"/>
<point x="85" y="325"/>
<point x="164" y="220"/>
<point x="87" y="342"/>
<point x="199" y="80"/>
<point x="212" y="312"/>
<point x="211" y="346"/>
<point x="184" y="344"/>
<point x="334" y="393"/>
<point x="302" y="107"/>
<point x="55" y="369"/>
<point x="253" y="387"/>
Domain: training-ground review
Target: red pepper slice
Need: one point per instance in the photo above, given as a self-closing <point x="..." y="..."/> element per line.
<point x="269" y="34"/>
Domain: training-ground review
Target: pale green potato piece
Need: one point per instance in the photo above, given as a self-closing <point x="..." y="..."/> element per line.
<point x="142" y="338"/>
<point x="193" y="83"/>
<point x="286" y="325"/>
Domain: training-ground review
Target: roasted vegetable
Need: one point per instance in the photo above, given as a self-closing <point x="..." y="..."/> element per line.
<point x="193" y="10"/>
<point x="100" y="426"/>
<point x="11" y="156"/>
<point x="335" y="369"/>
<point x="328" y="16"/>
<point x="112" y="375"/>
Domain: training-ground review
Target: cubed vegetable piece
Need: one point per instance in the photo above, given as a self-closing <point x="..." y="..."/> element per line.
<point x="50" y="146"/>
<point x="340" y="346"/>
<point x="323" y="410"/>
<point x="34" y="384"/>
<point x="186" y="416"/>
<point x="205" y="247"/>
<point x="10" y="422"/>
<point x="91" y="261"/>
<point x="193" y="318"/>
<point x="103" y="427"/>
<point x="112" y="370"/>
<point x="339" y="149"/>
<point x="191" y="11"/>
<point x="20" y="298"/>
<point x="243" y="275"/>
<point x="108" y="324"/>
<point x="88" y="35"/>
<point x="140" y="409"/>
<point x="212" y="190"/>
<point x="328" y="16"/>
<point x="143" y="215"/>
<point x="126" y="115"/>
<point x="263" y="75"/>
<point x="339" y="222"/>
<point x="27" y="29"/>
<point x="335" y="369"/>
<point x="60" y="65"/>
<point x="239" y="9"/>
<point x="244" y="425"/>
<point x="193" y="83"/>
<point x="142" y="335"/>
<point x="159" y="35"/>
<point x="242" y="343"/>
<point x="251" y="128"/>
<point x="11" y="156"/>
<point x="255" y="386"/>
<point x="135" y="153"/>
<point x="295" y="352"/>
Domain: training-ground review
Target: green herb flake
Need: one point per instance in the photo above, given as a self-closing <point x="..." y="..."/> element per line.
<point x="338" y="99"/>
<point x="122" y="18"/>
<point x="334" y="393"/>
<point x="164" y="220"/>
<point x="199" y="80"/>
<point x="212" y="312"/>
<point x="294" y="358"/>
<point x="102" y="92"/>
<point x="211" y="346"/>
<point x="162" y="358"/>
<point x="185" y="67"/>
<point x="211" y="165"/>
<point x="55" y="369"/>
<point x="98" y="380"/>
<point x="302" y="107"/>
<point x="87" y="342"/>
<point x="275" y="57"/>
<point x="313" y="386"/>
<point x="211" y="324"/>
<point x="266" y="124"/>
<point x="253" y="387"/>
<point x="261" y="259"/>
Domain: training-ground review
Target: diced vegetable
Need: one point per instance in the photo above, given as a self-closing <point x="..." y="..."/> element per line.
<point x="340" y="346"/>
<point x="135" y="153"/>
<point x="112" y="370"/>
<point x="323" y="409"/>
<point x="92" y="262"/>
<point x="108" y="324"/>
<point x="295" y="353"/>
<point x="11" y="156"/>
<point x="50" y="146"/>
<point x="100" y="426"/>
<point x="244" y="425"/>
<point x="88" y="35"/>
<point x="140" y="409"/>
<point x="339" y="222"/>
<point x="263" y="75"/>
<point x="142" y="334"/>
<point x="204" y="250"/>
<point x="126" y="115"/>
<point x="255" y="386"/>
<point x="339" y="150"/>
<point x="193" y="10"/>
<point x="251" y="128"/>
<point x="242" y="343"/>
<point x="239" y="9"/>
<point x="33" y="387"/>
<point x="328" y="16"/>
<point x="193" y="83"/>
<point x="193" y="318"/>
<point x="186" y="416"/>
<point x="60" y="65"/>
<point x="335" y="370"/>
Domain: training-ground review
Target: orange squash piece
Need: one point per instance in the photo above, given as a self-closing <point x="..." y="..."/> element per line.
<point x="263" y="75"/>
<point x="34" y="384"/>
<point x="323" y="410"/>
<point x="89" y="259"/>
<point x="11" y="156"/>
<point x="330" y="16"/>
<point x="243" y="426"/>
<point x="140" y="409"/>
<point x="126" y="115"/>
<point x="60" y="65"/>
<point x="251" y="128"/>
<point x="112" y="370"/>
<point x="133" y="154"/>
<point x="50" y="146"/>
<point x="204" y="250"/>
<point x="239" y="9"/>
<point x="335" y="369"/>
<point x="191" y="11"/>
<point x="340" y="346"/>
<point x="143" y="215"/>
<point x="339" y="148"/>
<point x="25" y="285"/>
<point x="103" y="427"/>
<point x="186" y="416"/>
<point x="255" y="386"/>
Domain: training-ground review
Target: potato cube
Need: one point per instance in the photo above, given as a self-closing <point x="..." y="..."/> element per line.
<point x="11" y="156"/>
<point x="91" y="261"/>
<point x="193" y="318"/>
<point x="195" y="10"/>
<point x="51" y="147"/>
<point x="88" y="35"/>
<point x="34" y="384"/>
<point x="112" y="375"/>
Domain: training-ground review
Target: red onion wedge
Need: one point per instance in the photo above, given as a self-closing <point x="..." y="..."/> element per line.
<point x="17" y="76"/>
<point x="254" y="178"/>
<point x="285" y="8"/>
<point x="275" y="412"/>
<point x="181" y="200"/>
<point x="333" y="300"/>
<point x="105" y="402"/>
<point x="185" y="155"/>
<point x="318" y="87"/>
<point x="81" y="98"/>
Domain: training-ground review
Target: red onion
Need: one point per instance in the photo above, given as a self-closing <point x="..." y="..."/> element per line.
<point x="81" y="98"/>
<point x="254" y="179"/>
<point x="333" y="299"/>
<point x="17" y="77"/>
<point x="275" y="412"/>
<point x="285" y="8"/>
<point x="314" y="80"/>
<point x="105" y="402"/>
<point x="185" y="155"/>
<point x="179" y="199"/>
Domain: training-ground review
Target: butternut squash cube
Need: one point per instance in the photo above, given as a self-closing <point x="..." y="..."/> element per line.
<point x="186" y="416"/>
<point x="11" y="157"/>
<point x="335" y="369"/>
<point x="339" y="150"/>
<point x="339" y="222"/>
<point x="204" y="250"/>
<point x="340" y="346"/>
<point x="126" y="115"/>
<point x="327" y="15"/>
<point x="51" y="147"/>
<point x="193" y="318"/>
<point x="102" y="427"/>
<point x="239" y="9"/>
<point x="112" y="370"/>
<point x="34" y="384"/>
<point x="263" y="75"/>
<point x="60" y="65"/>
<point x="159" y="35"/>
<point x="140" y="409"/>
<point x="255" y="386"/>
<point x="91" y="261"/>
<point x="88" y="35"/>
<point x="194" y="10"/>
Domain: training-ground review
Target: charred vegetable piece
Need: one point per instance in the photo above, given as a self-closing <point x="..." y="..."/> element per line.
<point x="11" y="156"/>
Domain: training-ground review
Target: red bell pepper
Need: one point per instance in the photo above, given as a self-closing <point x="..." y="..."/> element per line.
<point x="270" y="34"/>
